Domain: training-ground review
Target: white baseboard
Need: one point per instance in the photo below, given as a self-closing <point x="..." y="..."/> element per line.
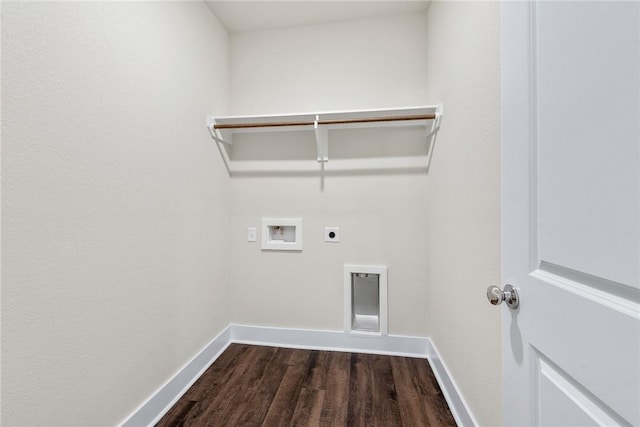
<point x="458" y="406"/>
<point x="311" y="339"/>
<point x="166" y="396"/>
<point x="150" y="412"/>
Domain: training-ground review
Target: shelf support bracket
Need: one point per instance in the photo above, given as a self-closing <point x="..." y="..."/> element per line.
<point x="218" y="135"/>
<point x="432" y="133"/>
<point x="220" y="142"/>
<point x="322" y="141"/>
<point x="433" y="130"/>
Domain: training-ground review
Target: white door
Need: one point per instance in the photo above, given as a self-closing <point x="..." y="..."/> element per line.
<point x="571" y="212"/>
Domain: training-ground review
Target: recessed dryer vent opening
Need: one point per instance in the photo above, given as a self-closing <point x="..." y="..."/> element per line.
<point x="365" y="292"/>
<point x="365" y="302"/>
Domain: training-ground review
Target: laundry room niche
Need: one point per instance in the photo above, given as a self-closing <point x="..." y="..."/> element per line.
<point x="370" y="179"/>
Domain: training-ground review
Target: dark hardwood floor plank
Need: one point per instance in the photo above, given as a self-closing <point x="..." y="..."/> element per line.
<point x="283" y="405"/>
<point x="386" y="411"/>
<point x="254" y="385"/>
<point x="438" y="412"/>
<point x="335" y="403"/>
<point x="318" y="369"/>
<point x="424" y="377"/>
<point x="308" y="408"/>
<point x="360" y="399"/>
<point x="411" y="399"/>
<point x="216" y="404"/>
<point x="261" y="393"/>
<point x="228" y="407"/>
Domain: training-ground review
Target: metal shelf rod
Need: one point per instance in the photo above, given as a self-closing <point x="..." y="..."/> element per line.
<point x="325" y="122"/>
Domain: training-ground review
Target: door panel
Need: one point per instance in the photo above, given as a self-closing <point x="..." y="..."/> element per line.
<point x="563" y="403"/>
<point x="571" y="212"/>
<point x="589" y="338"/>
<point x="587" y="110"/>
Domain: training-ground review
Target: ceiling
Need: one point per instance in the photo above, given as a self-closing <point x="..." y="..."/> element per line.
<point x="239" y="16"/>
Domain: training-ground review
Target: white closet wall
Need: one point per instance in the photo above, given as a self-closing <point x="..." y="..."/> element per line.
<point x="114" y="204"/>
<point x="464" y="199"/>
<point x="373" y="63"/>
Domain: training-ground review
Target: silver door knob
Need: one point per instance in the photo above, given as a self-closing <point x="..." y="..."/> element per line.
<point x="509" y="295"/>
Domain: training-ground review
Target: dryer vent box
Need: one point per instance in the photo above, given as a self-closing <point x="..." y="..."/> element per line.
<point x="282" y="234"/>
<point x="365" y="299"/>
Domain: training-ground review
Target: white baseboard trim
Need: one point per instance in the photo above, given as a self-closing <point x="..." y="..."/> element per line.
<point x="166" y="396"/>
<point x="458" y="406"/>
<point x="312" y="339"/>
<point x="150" y="412"/>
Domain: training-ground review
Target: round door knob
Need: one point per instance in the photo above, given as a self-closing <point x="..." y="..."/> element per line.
<point x="508" y="295"/>
<point x="494" y="295"/>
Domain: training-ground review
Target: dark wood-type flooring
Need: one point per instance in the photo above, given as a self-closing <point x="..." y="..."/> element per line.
<point x="268" y="386"/>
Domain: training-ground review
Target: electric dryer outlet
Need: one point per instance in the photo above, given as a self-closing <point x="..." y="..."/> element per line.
<point x="332" y="234"/>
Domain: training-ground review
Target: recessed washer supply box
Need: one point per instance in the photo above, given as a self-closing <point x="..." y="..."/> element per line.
<point x="282" y="234"/>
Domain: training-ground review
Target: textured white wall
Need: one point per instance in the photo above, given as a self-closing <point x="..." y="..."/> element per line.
<point x="114" y="207"/>
<point x="382" y="216"/>
<point x="464" y="198"/>
<point x="371" y="63"/>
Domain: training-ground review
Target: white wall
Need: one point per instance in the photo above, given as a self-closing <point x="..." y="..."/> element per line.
<point x="114" y="204"/>
<point x="464" y="198"/>
<point x="382" y="215"/>
<point x="371" y="63"/>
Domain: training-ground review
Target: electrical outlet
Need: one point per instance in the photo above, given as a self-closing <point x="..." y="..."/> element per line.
<point x="332" y="234"/>
<point x="251" y="234"/>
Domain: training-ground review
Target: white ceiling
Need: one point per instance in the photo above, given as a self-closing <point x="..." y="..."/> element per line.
<point x="239" y="15"/>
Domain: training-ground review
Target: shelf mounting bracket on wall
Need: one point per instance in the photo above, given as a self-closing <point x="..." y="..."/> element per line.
<point x="219" y="135"/>
<point x="432" y="133"/>
<point x="322" y="141"/>
<point x="221" y="138"/>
